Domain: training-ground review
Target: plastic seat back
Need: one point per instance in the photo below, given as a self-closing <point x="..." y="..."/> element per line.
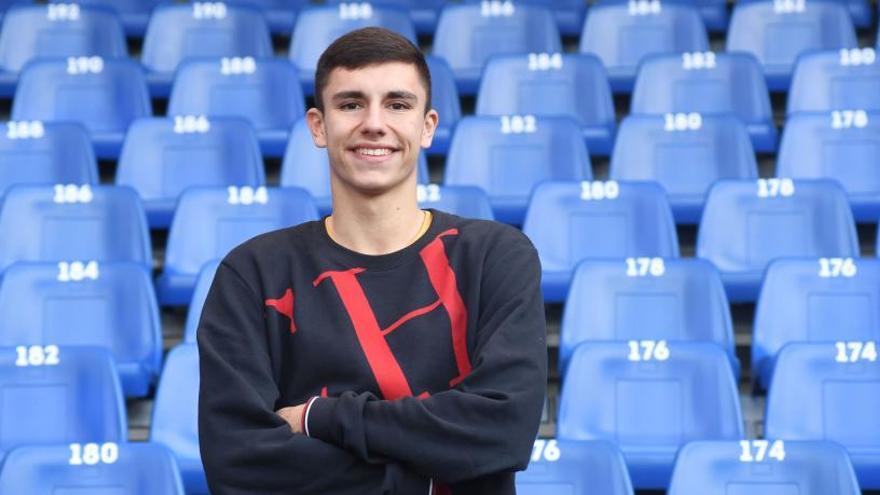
<point x="563" y="467"/>
<point x="444" y="99"/>
<point x="464" y="201"/>
<point x="845" y="79"/>
<point x="200" y="293"/>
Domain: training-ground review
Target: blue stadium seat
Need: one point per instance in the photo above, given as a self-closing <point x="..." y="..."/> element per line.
<point x="813" y="300"/>
<point x="105" y="95"/>
<point x="622" y="34"/>
<point x="200" y="293"/>
<point x="685" y="156"/>
<point x="861" y="11"/>
<point x="551" y="85"/>
<point x="569" y="14"/>
<point x="835" y="80"/>
<point x="572" y="221"/>
<point x="138" y="469"/>
<point x="508" y="156"/>
<point x="59" y="395"/>
<point x="777" y="32"/>
<point x="111" y="305"/>
<point x="444" y="99"/>
<point x="307" y="166"/>
<point x="210" y="221"/>
<point x="708" y="84"/>
<point x="839" y="145"/>
<point x="280" y="14"/>
<point x="317" y="27"/>
<point x="676" y="300"/>
<point x="46" y="153"/>
<point x="161" y="157"/>
<point x="464" y="201"/>
<point x="567" y="467"/>
<point x="175" y="415"/>
<point x="135" y="14"/>
<point x="747" y="224"/>
<point x="467" y="35"/>
<point x="821" y="393"/>
<point x="424" y="13"/>
<point x="651" y="401"/>
<point x="178" y="32"/>
<point x="717" y="468"/>
<point x="35" y="31"/>
<point x="73" y="222"/>
<point x="264" y="91"/>
<point x="713" y="12"/>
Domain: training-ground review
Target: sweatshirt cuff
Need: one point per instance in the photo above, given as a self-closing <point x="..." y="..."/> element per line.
<point x="318" y="418"/>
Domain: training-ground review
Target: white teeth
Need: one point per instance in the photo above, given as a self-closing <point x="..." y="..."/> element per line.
<point x="374" y="152"/>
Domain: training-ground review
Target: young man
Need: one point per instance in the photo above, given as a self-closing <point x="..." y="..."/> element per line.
<point x="385" y="349"/>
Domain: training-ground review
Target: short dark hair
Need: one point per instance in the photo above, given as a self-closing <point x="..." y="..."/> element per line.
<point x="365" y="47"/>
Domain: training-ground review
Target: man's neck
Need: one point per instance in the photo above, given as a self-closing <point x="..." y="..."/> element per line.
<point x="376" y="225"/>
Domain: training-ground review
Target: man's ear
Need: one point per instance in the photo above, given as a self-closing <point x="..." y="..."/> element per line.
<point x="315" y="120"/>
<point x="431" y="119"/>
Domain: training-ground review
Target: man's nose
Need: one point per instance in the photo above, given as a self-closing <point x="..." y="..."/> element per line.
<point x="374" y="121"/>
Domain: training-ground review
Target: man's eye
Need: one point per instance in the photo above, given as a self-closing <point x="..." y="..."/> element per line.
<point x="349" y="106"/>
<point x="399" y="106"/>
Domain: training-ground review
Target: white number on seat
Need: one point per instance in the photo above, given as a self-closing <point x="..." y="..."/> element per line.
<point x="643" y="267"/>
<point x="189" y="124"/>
<point x="789" y="6"/>
<point x="599" y="190"/>
<point x="495" y="8"/>
<point x="62" y="12"/>
<point x="428" y="193"/>
<point x="837" y="267"/>
<point x="648" y="350"/>
<point x="853" y="352"/>
<point x="845" y="119"/>
<point x="77" y="271"/>
<point x="547" y="450"/>
<point x="91" y="454"/>
<point x="230" y="66"/>
<point x="84" y="65"/>
<point x="771" y="188"/>
<point x="674" y="122"/>
<point x="518" y="124"/>
<point x="645" y="7"/>
<point x="355" y="11"/>
<point x="25" y="129"/>
<point x="72" y="193"/>
<point x="857" y="56"/>
<point x="209" y="10"/>
<point x="698" y="60"/>
<point x="545" y="61"/>
<point x="37" y="355"/>
<point x="247" y="195"/>
<point x="761" y="450"/>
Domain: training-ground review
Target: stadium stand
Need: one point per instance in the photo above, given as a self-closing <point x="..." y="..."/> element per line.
<point x="200" y="293"/>
<point x="134" y="14"/>
<point x="546" y="85"/>
<point x="565" y="467"/>
<point x="845" y="79"/>
<point x="444" y="99"/>
<point x="464" y="201"/>
<point x="161" y="157"/>
<point x="860" y="10"/>
<point x="684" y="153"/>
<point x="280" y="14"/>
<point x="569" y="14"/>
<point x="423" y="13"/>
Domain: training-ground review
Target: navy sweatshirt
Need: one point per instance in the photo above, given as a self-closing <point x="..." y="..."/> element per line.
<point x="429" y="363"/>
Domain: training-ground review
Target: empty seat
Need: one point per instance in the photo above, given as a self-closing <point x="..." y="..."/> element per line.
<point x="551" y="85"/>
<point x="73" y="222"/>
<point x="777" y="32"/>
<point x="830" y="391"/>
<point x="646" y="298"/>
<point x="162" y="157"/>
<point x="684" y="153"/>
<point x="263" y="91"/>
<point x="200" y="293"/>
<point x="46" y="153"/>
<point x="814" y="300"/>
<point x="72" y="303"/>
<point x="210" y="221"/>
<point x="105" y="95"/>
<point x="508" y="156"/>
<point x="569" y="14"/>
<point x="60" y="30"/>
<point x="707" y="83"/>
<point x="306" y="166"/>
<point x="175" y="415"/>
<point x="622" y="34"/>
<point x="845" y="79"/>
<point x="135" y="14"/>
<point x="843" y="145"/>
<point x="747" y="224"/>
<point x="178" y="32"/>
<point x="59" y="395"/>
<point x="424" y="13"/>
<point x="572" y="221"/>
<point x="467" y="35"/>
<point x="763" y="467"/>
<point x="280" y="14"/>
<point x="464" y="201"/>
<point x="565" y="467"/>
<point x="654" y="399"/>
<point x="137" y="469"/>
<point x="444" y="99"/>
<point x="319" y="26"/>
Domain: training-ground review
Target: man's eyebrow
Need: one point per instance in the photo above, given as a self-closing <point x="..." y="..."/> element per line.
<point x="401" y="95"/>
<point x="344" y="95"/>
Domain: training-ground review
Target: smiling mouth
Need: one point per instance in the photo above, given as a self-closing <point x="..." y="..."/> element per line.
<point x="374" y="151"/>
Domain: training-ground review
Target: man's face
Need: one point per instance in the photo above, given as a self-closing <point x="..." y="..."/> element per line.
<point x="373" y="125"/>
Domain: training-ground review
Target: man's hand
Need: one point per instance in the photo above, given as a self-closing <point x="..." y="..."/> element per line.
<point x="294" y="416"/>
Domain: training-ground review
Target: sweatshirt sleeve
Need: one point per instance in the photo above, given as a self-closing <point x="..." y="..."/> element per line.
<point x="246" y="448"/>
<point x="487" y="423"/>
